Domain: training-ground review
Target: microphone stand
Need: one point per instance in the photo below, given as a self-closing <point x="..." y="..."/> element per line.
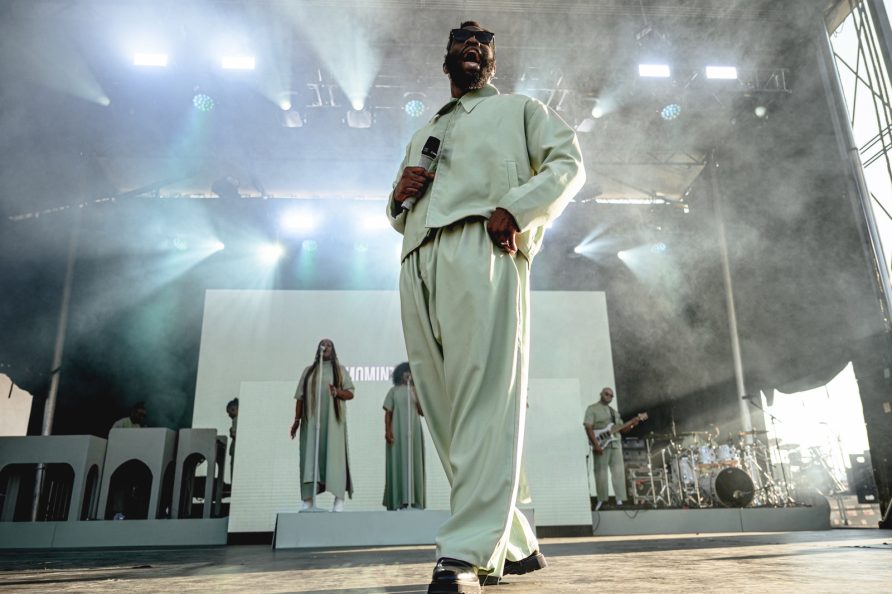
<point x="316" y="399"/>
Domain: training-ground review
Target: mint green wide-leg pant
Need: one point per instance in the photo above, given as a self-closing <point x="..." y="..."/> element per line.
<point x="465" y="310"/>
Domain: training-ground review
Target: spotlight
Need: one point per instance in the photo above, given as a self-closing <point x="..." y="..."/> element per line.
<point x="298" y="221"/>
<point x="721" y="72"/>
<point x="357" y="104"/>
<point x="622" y="255"/>
<point x="285" y="104"/>
<point x="202" y="102"/>
<point x="238" y="62"/>
<point x="218" y="246"/>
<point x="104" y="101"/>
<point x="270" y="252"/>
<point x="577" y="249"/>
<point x="654" y="70"/>
<point x="359" y="118"/>
<point x="309" y="245"/>
<point x="292" y="119"/>
<point x="154" y="60"/>
<point x="226" y="188"/>
<point x="414" y="104"/>
<point x="597" y="111"/>
<point x="761" y="111"/>
<point x="671" y="111"/>
<point x="586" y="125"/>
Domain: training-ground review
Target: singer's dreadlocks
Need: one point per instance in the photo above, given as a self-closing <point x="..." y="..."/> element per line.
<point x="336" y="372"/>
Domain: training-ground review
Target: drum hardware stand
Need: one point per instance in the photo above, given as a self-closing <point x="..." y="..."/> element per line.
<point x="664" y="485"/>
<point x="668" y="487"/>
<point x="696" y="472"/>
<point x="784" y="494"/>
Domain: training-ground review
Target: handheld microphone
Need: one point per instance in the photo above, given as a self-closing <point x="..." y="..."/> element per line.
<point x="428" y="154"/>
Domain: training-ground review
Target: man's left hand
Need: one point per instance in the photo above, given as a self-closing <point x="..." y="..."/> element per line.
<point x="503" y="230"/>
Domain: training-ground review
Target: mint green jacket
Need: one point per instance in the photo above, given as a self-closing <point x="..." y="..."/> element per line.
<point x="507" y="151"/>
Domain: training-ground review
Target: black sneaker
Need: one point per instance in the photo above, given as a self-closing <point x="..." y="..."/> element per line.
<point x="452" y="576"/>
<point x="534" y="562"/>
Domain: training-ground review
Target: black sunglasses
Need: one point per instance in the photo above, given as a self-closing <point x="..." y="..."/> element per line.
<point x="462" y="35"/>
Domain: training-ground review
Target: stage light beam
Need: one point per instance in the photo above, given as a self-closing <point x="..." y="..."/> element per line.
<point x="270" y="252"/>
<point x="721" y="72"/>
<point x="654" y="70"/>
<point x="149" y="59"/>
<point x="238" y="62"/>
<point x="299" y="221"/>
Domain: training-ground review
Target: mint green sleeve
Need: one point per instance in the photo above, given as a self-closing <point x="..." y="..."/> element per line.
<point x="388" y="400"/>
<point x="398" y="221"/>
<point x="346" y="380"/>
<point x="556" y="162"/>
<point x="589" y="417"/>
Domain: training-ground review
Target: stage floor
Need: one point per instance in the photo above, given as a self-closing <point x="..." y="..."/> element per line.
<point x="858" y="560"/>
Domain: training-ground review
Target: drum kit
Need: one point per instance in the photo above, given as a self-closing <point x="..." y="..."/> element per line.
<point x="695" y="469"/>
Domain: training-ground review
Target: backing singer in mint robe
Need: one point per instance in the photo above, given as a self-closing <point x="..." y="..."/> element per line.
<point x="334" y="457"/>
<point x="403" y="405"/>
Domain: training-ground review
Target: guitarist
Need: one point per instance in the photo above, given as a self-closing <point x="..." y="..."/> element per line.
<point x="609" y="455"/>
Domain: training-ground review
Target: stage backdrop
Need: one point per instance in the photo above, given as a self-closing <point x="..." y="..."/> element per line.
<point x="255" y="344"/>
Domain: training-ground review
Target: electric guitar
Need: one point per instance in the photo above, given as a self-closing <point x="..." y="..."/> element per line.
<point x="610" y="433"/>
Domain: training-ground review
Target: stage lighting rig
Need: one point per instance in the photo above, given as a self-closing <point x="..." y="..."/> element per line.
<point x="414" y="104"/>
<point x="226" y="188"/>
<point x="359" y="118"/>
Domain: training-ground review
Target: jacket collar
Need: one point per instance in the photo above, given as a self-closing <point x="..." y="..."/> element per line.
<point x="470" y="100"/>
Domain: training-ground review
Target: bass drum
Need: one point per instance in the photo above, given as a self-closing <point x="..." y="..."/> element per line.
<point x="731" y="487"/>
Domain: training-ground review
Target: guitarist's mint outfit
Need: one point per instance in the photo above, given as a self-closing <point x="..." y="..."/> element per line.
<point x="598" y="416"/>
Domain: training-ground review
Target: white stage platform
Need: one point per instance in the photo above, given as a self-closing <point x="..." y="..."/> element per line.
<point x="691" y="521"/>
<point x="113" y="533"/>
<point x="362" y="528"/>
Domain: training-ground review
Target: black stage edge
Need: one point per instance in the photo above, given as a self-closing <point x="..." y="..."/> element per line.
<point x="563" y="531"/>
<point x="250" y="538"/>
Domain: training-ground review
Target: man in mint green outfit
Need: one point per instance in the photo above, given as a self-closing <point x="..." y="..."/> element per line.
<point x="608" y="456"/>
<point x="506" y="167"/>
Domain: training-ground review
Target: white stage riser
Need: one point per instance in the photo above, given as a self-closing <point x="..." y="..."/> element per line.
<point x="362" y="529"/>
<point x="113" y="533"/>
<point x="690" y="521"/>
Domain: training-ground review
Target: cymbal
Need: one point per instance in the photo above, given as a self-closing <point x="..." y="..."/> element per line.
<point x="753" y="432"/>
